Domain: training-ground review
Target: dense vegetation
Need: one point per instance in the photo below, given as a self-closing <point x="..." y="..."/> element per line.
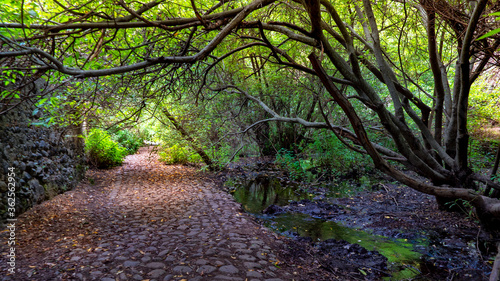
<point x="105" y="150"/>
<point x="317" y="84"/>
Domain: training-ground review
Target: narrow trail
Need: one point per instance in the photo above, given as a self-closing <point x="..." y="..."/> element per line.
<point x="143" y="221"/>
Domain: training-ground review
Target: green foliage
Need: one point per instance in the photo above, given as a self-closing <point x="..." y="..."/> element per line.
<point x="481" y="154"/>
<point x="483" y="122"/>
<point x="494" y="31"/>
<point x="287" y="161"/>
<point x="102" y="151"/>
<point x="326" y="154"/>
<point x="465" y="207"/>
<point x="329" y="152"/>
<point x="128" y="140"/>
<point x="484" y="111"/>
<point x="178" y="154"/>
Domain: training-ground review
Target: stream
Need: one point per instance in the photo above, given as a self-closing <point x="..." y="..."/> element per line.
<point x="290" y="211"/>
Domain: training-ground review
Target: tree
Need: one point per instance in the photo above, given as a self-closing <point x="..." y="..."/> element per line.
<point x="369" y="56"/>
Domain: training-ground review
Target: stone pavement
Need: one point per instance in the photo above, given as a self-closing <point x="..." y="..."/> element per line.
<point x="143" y="221"/>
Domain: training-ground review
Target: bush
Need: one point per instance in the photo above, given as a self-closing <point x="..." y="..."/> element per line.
<point x="102" y="151"/>
<point x="291" y="164"/>
<point x="177" y="154"/>
<point x="329" y="152"/>
<point x="128" y="140"/>
<point x="484" y="112"/>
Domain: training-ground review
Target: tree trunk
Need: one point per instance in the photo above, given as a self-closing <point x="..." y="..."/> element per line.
<point x="494" y="170"/>
<point x="495" y="273"/>
<point x="191" y="141"/>
<point x="463" y="99"/>
<point x="436" y="71"/>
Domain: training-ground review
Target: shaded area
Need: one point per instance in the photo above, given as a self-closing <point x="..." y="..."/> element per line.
<point x="144" y="221"/>
<point x="404" y="226"/>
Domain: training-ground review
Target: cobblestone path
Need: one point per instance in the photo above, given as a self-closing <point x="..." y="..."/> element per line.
<point x="143" y="221"/>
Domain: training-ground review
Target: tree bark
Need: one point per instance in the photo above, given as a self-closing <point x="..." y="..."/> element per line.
<point x="495" y="273"/>
<point x="436" y="71"/>
<point x="494" y="171"/>
<point x="488" y="209"/>
<point x="463" y="135"/>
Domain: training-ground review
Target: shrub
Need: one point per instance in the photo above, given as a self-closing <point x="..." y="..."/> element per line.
<point x="484" y="112"/>
<point x="291" y="164"/>
<point x="102" y="151"/>
<point x="329" y="152"/>
<point x="177" y="154"/>
<point x="128" y="140"/>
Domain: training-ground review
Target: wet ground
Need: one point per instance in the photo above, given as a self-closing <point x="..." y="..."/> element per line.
<point x="382" y="231"/>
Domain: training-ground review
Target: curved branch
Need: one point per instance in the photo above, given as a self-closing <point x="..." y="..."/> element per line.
<point x="203" y="53"/>
<point x="197" y="14"/>
<point x="125" y="25"/>
<point x="462" y="106"/>
<point x="484" y="204"/>
<point x="318" y="125"/>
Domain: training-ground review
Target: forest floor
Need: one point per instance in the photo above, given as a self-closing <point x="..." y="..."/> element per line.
<point x="449" y="245"/>
<point x="148" y="221"/>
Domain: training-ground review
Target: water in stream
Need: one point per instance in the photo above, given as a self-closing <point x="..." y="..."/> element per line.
<point x="257" y="195"/>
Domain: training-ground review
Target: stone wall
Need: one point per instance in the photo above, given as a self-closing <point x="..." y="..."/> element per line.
<point x="46" y="161"/>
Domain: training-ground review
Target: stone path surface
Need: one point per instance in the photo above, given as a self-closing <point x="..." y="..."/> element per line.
<point x="143" y="221"/>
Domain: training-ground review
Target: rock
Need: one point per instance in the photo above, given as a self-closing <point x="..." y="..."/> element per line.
<point x="205" y="269"/>
<point x="201" y="262"/>
<point x="3" y="187"/>
<point x="255" y="274"/>
<point x="157" y="273"/>
<point x="26" y="176"/>
<point x="227" y="278"/>
<point x="163" y="253"/>
<point x="170" y="258"/>
<point x="181" y="269"/>
<point x="137" y="277"/>
<point x="155" y="265"/>
<point x="274" y="210"/>
<point x="168" y="277"/>
<point x="247" y="257"/>
<point x="130" y="263"/>
<point x="36" y="155"/>
<point x="38" y="190"/>
<point x="26" y="148"/>
<point x="230" y="269"/>
<point x="43" y="145"/>
<point x="151" y="249"/>
<point x="238" y="245"/>
<point x="252" y="265"/>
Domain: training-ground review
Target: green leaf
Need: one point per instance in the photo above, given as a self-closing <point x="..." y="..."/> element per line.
<point x="489" y="34"/>
<point x="41" y="102"/>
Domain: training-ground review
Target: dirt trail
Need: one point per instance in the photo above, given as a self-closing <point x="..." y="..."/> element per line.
<point x="143" y="221"/>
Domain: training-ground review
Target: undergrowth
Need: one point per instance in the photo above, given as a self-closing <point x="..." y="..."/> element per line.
<point x="102" y="151"/>
<point x="128" y="140"/>
<point x="178" y="154"/>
